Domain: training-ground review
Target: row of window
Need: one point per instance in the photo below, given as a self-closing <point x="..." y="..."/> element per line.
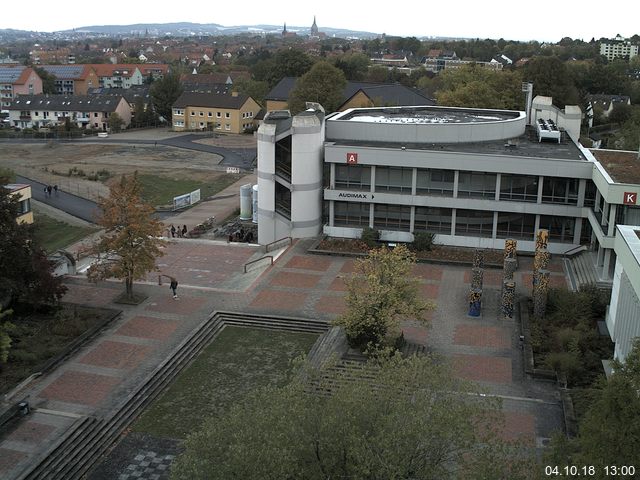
<point x="475" y="223"/>
<point x="522" y="188"/>
<point x="180" y="112"/>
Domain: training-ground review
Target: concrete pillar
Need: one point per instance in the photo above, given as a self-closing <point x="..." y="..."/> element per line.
<point x="611" y="231"/>
<point x="453" y="221"/>
<point x="577" y="231"/>
<point x="456" y="179"/>
<point x="414" y="182"/>
<point x="582" y="189"/>
<point x="498" y="181"/>
<point x="540" y="185"/>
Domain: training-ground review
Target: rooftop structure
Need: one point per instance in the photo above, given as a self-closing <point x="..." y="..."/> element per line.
<point x="622" y="166"/>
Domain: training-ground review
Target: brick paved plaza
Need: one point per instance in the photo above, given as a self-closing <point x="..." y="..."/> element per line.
<point x="92" y="382"/>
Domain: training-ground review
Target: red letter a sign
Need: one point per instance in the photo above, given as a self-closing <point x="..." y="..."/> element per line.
<point x="352" y="158"/>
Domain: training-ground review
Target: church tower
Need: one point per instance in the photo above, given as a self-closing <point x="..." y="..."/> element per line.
<point x="314" y="28"/>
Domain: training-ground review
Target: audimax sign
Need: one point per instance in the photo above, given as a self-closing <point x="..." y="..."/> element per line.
<point x="363" y="196"/>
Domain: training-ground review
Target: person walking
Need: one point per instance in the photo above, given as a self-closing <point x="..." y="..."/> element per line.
<point x="173" y="231"/>
<point x="55" y="190"/>
<point x="174" y="286"/>
<point x="49" y="190"/>
<point x="184" y="231"/>
<point x="45" y="191"/>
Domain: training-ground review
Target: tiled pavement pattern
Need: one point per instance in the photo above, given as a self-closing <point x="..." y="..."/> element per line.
<point x="102" y="373"/>
<point x="148" y="465"/>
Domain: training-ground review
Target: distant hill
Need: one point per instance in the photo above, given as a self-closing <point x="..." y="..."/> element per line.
<point x="180" y="29"/>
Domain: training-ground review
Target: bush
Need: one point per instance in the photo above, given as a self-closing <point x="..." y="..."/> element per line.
<point x="423" y="241"/>
<point x="370" y="236"/>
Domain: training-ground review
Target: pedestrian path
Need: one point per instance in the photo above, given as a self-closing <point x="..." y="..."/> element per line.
<point x="93" y="382"/>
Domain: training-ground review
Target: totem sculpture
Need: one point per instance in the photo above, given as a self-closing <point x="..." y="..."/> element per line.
<point x="478" y="258"/>
<point x="475" y="301"/>
<point x="510" y="247"/>
<point x="541" y="293"/>
<point x="508" y="298"/>
<point x="477" y="275"/>
<point x="542" y="239"/>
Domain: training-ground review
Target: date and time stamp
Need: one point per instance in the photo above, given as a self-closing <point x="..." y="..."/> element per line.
<point x="573" y="471"/>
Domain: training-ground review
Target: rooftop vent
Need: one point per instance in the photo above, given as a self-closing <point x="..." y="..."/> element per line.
<point x="278" y="115"/>
<point x="547" y="129"/>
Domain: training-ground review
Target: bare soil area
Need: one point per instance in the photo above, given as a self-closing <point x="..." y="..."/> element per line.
<point x="51" y="163"/>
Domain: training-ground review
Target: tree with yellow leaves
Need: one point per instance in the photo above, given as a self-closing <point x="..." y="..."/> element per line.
<point x="132" y="238"/>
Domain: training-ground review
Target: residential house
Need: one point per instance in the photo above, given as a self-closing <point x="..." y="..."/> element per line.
<point x="23" y="194"/>
<point x="131" y="94"/>
<point x="84" y="111"/>
<point x="604" y="104"/>
<point x="73" y="79"/>
<point x="119" y="75"/>
<point x="213" y="82"/>
<point x="503" y="59"/>
<point x="157" y="71"/>
<point x="355" y="95"/>
<point x="18" y="80"/>
<point x="233" y="113"/>
<point x="57" y="55"/>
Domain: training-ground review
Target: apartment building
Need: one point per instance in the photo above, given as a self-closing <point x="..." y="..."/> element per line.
<point x="72" y="79"/>
<point x="618" y="47"/>
<point x="18" y="80"/>
<point x="232" y="113"/>
<point x="23" y="194"/>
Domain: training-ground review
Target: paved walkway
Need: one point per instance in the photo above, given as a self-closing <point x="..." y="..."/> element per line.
<point x="101" y="374"/>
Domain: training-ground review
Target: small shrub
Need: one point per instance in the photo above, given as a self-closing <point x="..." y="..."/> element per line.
<point x="370" y="236"/>
<point x="423" y="241"/>
<point x="564" y="362"/>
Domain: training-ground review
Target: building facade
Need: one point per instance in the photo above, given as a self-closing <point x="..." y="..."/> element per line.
<point x="623" y="314"/>
<point x="23" y="194"/>
<point x="618" y="48"/>
<point x="471" y="177"/>
<point x="18" y="80"/>
<point x="72" y="79"/>
<point x="232" y="113"/>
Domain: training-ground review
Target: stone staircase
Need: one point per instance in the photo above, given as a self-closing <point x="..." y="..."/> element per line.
<point x="582" y="271"/>
<point x="74" y="454"/>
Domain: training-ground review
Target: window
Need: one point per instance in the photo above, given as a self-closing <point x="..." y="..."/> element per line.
<point x="435" y="182"/>
<point x="227" y="126"/>
<point x="179" y="123"/>
<point x="227" y="115"/>
<point x="519" y="187"/>
<point x="218" y="115"/>
<point x="353" y="177"/>
<point x="435" y="220"/>
<point x="218" y="126"/>
<point x="202" y="114"/>
<point x="392" y="217"/>
<point x="95" y="115"/>
<point x="178" y="111"/>
<point x="560" y="190"/>
<point x="35" y="114"/>
<point x="477" y="185"/>
<point x="560" y="228"/>
<point x="347" y="214"/>
<point x="283" y="200"/>
<point x="474" y="223"/>
<point x="516" y="225"/>
<point x="24" y="206"/>
<point x="193" y="114"/>
<point x="209" y="114"/>
<point x="394" y="179"/>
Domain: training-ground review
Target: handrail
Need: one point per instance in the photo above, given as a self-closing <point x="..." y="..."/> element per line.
<point x="266" y="247"/>
<point x="270" y="257"/>
<point x="573" y="250"/>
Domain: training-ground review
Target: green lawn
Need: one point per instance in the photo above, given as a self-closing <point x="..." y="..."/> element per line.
<point x="53" y="234"/>
<point x="159" y="190"/>
<point x="238" y="361"/>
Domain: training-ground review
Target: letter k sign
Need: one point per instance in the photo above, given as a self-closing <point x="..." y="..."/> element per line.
<point x="630" y="198"/>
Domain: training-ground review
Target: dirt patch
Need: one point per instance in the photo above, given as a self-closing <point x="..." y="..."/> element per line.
<point x="51" y="163"/>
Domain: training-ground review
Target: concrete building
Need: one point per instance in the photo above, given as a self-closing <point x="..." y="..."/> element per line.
<point x="618" y="47"/>
<point x="23" y="194"/>
<point x="623" y="315"/>
<point x="472" y="177"/>
<point x="233" y="113"/>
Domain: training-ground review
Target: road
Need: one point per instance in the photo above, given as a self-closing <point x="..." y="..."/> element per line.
<point x="72" y="204"/>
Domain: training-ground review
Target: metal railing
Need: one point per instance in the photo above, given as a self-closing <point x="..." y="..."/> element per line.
<point x="574" y="250"/>
<point x="270" y="257"/>
<point x="269" y="245"/>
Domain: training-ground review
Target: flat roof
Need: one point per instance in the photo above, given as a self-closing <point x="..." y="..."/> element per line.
<point x="526" y="145"/>
<point x="14" y="187"/>
<point x="426" y="115"/>
<point x="622" y="166"/>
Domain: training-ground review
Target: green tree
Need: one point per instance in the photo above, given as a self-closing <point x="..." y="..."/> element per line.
<point x="620" y="113"/>
<point x="164" y="93"/>
<point x="397" y="419"/>
<point x="48" y="80"/>
<point x="324" y="84"/>
<point x="551" y="78"/>
<point x="131" y="241"/>
<point x="379" y="295"/>
<point x="355" y="66"/>
<point x="254" y="88"/>
<point x="6" y="327"/>
<point x="285" y="63"/>
<point x="115" y="122"/>
<point x="609" y="433"/>
<point x="477" y="87"/>
<point x="27" y="275"/>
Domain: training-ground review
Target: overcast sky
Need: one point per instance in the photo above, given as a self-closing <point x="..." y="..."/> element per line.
<point x="513" y="20"/>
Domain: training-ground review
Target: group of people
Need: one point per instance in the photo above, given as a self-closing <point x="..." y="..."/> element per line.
<point x="180" y="232"/>
<point x="48" y="189"/>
